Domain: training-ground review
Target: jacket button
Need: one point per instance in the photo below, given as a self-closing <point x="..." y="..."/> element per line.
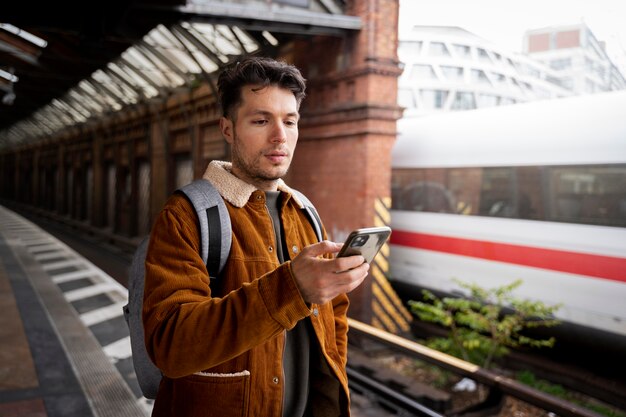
<point x="294" y="248"/>
<point x="275" y="380"/>
<point x="271" y="249"/>
<point x="316" y="312"/>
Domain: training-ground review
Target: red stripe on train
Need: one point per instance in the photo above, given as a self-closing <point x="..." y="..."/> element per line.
<point x="607" y="267"/>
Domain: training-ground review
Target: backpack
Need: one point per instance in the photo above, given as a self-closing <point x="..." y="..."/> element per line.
<point x="215" y="241"/>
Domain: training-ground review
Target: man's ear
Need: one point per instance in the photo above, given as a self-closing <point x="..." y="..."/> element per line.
<point x="227" y="129"/>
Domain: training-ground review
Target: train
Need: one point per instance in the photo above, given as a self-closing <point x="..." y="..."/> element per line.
<point x="533" y="191"/>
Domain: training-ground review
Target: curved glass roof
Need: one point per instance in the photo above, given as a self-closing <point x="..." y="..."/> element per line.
<point x="87" y="71"/>
<point x="165" y="59"/>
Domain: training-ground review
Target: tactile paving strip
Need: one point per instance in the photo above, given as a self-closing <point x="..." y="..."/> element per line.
<point x="80" y="296"/>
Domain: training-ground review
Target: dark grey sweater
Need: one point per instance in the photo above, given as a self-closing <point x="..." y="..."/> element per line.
<point x="296" y="359"/>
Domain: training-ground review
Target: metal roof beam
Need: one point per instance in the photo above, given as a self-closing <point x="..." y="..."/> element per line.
<point x="262" y="12"/>
<point x="179" y="32"/>
<point x="260" y="16"/>
<point x="105" y="91"/>
<point x="259" y="25"/>
<point x="154" y="50"/>
<point x="158" y="60"/>
<point x="123" y="62"/>
<point x="121" y="82"/>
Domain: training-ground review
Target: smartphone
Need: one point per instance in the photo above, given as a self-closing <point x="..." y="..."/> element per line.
<point x="366" y="242"/>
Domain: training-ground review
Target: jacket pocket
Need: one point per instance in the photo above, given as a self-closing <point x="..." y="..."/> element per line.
<point x="212" y="395"/>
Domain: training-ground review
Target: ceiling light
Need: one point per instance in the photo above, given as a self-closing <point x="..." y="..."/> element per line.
<point x="36" y="40"/>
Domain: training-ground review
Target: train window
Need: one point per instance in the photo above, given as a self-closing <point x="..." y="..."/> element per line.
<point x="496" y="192"/>
<point x="435" y="190"/>
<point x="592" y="195"/>
<point x="573" y="194"/>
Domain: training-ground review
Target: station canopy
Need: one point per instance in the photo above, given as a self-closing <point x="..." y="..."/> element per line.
<point x="58" y="70"/>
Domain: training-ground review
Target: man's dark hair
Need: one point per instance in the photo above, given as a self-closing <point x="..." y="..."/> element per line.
<point x="257" y="71"/>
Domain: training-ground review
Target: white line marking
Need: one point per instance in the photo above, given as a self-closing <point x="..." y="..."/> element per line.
<point x="43" y="248"/>
<point x="71" y="276"/>
<point x="89" y="291"/>
<point x="63" y="264"/>
<point x="51" y="255"/>
<point x="102" y="314"/>
<point x="36" y="241"/>
<point x="118" y="350"/>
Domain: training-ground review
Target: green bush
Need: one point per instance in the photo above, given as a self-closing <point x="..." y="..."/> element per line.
<point x="528" y="378"/>
<point x="479" y="329"/>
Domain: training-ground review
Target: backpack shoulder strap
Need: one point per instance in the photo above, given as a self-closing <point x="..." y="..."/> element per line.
<point x="215" y="227"/>
<point x="312" y="214"/>
<point x="215" y="240"/>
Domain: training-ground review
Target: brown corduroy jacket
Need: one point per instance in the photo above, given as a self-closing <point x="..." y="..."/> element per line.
<point x="219" y="342"/>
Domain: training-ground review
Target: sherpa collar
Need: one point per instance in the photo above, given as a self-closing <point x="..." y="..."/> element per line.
<point x="234" y="190"/>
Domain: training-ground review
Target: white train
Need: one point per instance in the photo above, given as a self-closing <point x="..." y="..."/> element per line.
<point x="533" y="191"/>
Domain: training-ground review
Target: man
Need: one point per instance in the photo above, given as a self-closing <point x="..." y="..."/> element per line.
<point x="268" y="337"/>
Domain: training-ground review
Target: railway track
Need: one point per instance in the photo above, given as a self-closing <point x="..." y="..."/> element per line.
<point x="388" y="397"/>
<point x="498" y="385"/>
<point x="582" y="376"/>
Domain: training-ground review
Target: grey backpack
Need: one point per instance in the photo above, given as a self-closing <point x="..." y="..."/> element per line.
<point x="215" y="241"/>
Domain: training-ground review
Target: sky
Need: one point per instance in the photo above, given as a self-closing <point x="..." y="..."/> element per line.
<point x="503" y="22"/>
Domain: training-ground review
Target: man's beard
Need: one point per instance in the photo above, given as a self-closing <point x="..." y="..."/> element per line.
<point x="249" y="168"/>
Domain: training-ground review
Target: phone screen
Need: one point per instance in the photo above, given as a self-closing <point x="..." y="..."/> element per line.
<point x="366" y="242"/>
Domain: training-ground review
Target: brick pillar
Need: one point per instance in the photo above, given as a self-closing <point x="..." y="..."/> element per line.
<point x="158" y="154"/>
<point x="97" y="163"/>
<point x="17" y="180"/>
<point x="4" y="174"/>
<point x="348" y="126"/>
<point x="61" y="182"/>
<point x="35" y="197"/>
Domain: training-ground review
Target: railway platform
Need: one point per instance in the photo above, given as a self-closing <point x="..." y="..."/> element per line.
<point x="64" y="345"/>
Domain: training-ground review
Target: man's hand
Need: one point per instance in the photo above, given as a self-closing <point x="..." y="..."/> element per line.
<point x="320" y="280"/>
